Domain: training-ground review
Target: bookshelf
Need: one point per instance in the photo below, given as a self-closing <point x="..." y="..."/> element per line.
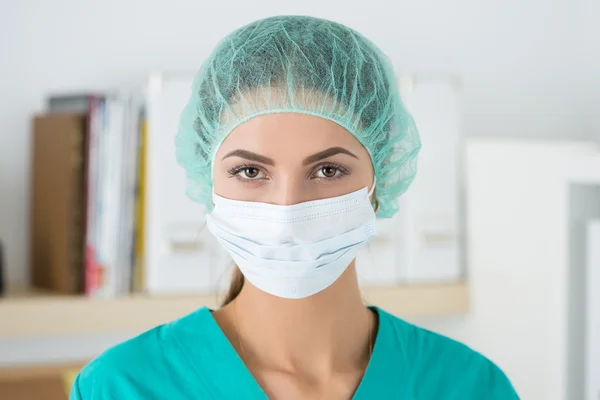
<point x="35" y="314"/>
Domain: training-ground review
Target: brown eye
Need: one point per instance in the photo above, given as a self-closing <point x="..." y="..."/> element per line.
<point x="247" y="173"/>
<point x="329" y="172"/>
<point x="251" y="172"/>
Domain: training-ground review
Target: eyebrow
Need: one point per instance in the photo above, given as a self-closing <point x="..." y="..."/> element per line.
<point x="251" y="156"/>
<point x="327" y="153"/>
<point x="248" y="155"/>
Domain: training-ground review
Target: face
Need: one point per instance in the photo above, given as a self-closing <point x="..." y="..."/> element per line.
<point x="290" y="158"/>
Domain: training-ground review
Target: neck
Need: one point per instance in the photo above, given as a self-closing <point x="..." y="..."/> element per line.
<point x="329" y="331"/>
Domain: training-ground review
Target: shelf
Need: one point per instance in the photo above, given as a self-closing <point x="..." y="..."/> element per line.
<point x="48" y="382"/>
<point x="36" y="314"/>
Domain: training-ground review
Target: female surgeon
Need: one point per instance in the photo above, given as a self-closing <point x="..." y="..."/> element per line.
<point x="295" y="138"/>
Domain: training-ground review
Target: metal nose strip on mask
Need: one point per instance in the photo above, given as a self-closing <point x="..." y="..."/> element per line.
<point x="348" y="200"/>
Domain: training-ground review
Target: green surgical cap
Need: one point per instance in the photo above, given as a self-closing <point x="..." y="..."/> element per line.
<point x="297" y="64"/>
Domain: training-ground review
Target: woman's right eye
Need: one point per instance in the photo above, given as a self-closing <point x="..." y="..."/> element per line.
<point x="248" y="173"/>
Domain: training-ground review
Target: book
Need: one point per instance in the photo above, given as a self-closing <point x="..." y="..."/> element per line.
<point x="57" y="202"/>
<point x="91" y="105"/>
<point x="110" y="248"/>
<point x="138" y="279"/>
<point x="111" y="173"/>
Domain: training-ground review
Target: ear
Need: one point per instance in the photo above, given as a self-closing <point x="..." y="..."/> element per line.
<point x="373" y="198"/>
<point x="376" y="206"/>
<point x="374" y="201"/>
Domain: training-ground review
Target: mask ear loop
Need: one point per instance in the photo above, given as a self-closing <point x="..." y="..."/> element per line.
<point x="371" y="194"/>
<point x="372" y="187"/>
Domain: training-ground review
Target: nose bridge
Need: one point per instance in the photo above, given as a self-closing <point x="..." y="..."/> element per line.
<point x="289" y="191"/>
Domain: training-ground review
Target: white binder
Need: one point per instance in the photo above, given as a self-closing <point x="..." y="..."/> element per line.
<point x="180" y="254"/>
<point x="421" y="243"/>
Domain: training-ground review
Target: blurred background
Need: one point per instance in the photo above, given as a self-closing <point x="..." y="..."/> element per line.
<point x="497" y="243"/>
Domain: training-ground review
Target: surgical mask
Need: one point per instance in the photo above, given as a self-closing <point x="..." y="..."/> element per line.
<point x="293" y="251"/>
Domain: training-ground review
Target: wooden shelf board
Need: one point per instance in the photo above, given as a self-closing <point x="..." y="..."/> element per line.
<point x="34" y="314"/>
<point x="38" y="371"/>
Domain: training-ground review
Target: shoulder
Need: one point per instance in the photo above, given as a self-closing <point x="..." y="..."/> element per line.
<point x="437" y="362"/>
<point x="130" y="367"/>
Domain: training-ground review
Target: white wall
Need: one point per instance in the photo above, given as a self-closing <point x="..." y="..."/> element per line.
<point x="518" y="61"/>
<point x="523" y="312"/>
<point x="584" y="206"/>
<point x="589" y="32"/>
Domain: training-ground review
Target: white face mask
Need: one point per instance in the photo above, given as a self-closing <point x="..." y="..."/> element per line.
<point x="298" y="250"/>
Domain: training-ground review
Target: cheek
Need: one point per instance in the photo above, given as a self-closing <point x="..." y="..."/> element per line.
<point x="362" y="176"/>
<point x="222" y="183"/>
<point x="228" y="186"/>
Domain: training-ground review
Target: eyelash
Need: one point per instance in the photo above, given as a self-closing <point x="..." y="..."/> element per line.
<point x="235" y="172"/>
<point x="341" y="169"/>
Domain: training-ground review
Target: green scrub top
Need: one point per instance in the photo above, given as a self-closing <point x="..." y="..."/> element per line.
<point x="191" y="358"/>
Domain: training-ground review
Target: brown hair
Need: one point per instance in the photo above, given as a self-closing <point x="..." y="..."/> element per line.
<point x="235" y="287"/>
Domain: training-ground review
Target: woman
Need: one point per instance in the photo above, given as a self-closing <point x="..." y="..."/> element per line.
<point x="294" y="138"/>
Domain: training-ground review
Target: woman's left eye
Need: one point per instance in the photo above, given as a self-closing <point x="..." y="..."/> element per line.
<point x="328" y="171"/>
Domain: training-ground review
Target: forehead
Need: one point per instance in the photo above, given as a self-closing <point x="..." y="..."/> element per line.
<point x="289" y="135"/>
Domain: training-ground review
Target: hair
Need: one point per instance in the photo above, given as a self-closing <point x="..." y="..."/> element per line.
<point x="235" y="286"/>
